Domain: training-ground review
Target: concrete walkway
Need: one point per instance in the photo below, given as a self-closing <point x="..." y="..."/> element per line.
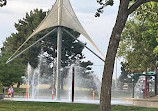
<point x="125" y="102"/>
<point x="146" y="102"/>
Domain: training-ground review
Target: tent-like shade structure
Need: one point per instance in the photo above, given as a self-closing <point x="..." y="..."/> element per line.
<point x="61" y="14"/>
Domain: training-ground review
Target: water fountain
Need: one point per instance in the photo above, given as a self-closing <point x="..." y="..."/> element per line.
<point x="55" y="19"/>
<point x="40" y="84"/>
<point x="79" y="82"/>
<point x="98" y="84"/>
<point x="140" y="87"/>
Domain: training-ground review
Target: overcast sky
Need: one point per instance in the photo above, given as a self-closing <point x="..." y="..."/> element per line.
<point x="99" y="29"/>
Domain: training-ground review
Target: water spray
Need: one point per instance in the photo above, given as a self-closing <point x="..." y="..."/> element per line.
<point x="52" y="93"/>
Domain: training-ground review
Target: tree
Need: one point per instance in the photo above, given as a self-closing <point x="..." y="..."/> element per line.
<point x="24" y="28"/>
<point x="139" y="38"/>
<point x="3" y="2"/>
<point x="124" y="74"/>
<point x="126" y="7"/>
<point x="156" y="48"/>
<point x="10" y="73"/>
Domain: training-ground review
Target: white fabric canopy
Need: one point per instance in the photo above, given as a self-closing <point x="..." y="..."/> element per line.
<point x="61" y="14"/>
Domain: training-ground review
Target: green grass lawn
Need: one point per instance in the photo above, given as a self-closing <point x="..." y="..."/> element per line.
<point x="41" y="106"/>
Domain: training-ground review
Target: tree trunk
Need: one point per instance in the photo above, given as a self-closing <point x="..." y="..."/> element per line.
<point x="105" y="98"/>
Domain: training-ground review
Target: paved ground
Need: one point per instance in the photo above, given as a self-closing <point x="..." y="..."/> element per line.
<point x="143" y="102"/>
<point x="126" y="102"/>
<point x="146" y="102"/>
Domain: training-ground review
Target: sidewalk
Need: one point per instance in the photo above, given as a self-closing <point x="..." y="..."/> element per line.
<point x="146" y="102"/>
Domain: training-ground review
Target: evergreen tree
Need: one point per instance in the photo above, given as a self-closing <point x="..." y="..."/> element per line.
<point x="124" y="77"/>
<point x="10" y="73"/>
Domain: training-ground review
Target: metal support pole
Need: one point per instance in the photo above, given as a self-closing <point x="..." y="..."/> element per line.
<point x="155" y="84"/>
<point x="133" y="88"/>
<point x="58" y="75"/>
<point x="145" y="88"/>
<point x="83" y="44"/>
<point x="73" y="78"/>
<point x="10" y="59"/>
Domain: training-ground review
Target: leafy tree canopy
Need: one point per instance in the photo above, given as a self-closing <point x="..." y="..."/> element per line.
<point x="10" y="73"/>
<point x="156" y="48"/>
<point x="139" y="39"/>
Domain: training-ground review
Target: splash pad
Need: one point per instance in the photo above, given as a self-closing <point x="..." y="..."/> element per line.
<point x="41" y="84"/>
<point x="113" y="101"/>
<point x="61" y="8"/>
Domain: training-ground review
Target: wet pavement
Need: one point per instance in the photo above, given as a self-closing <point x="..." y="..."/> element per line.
<point x="113" y="101"/>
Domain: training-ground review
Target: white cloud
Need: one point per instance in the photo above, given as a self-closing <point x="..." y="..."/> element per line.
<point x="15" y="10"/>
<point x="23" y="6"/>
